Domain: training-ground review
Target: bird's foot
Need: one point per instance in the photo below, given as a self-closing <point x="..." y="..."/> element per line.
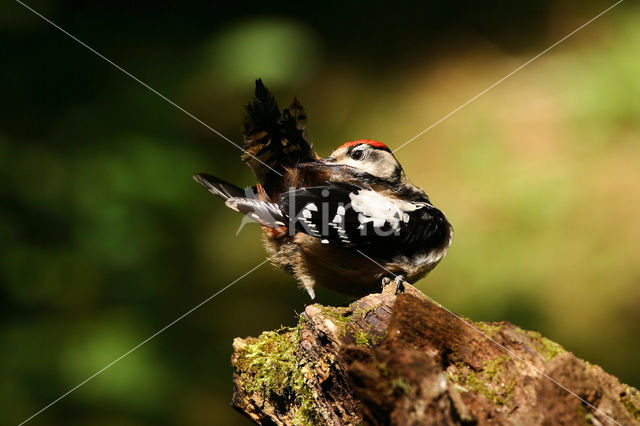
<point x="399" y="280"/>
<point x="399" y="284"/>
<point x="386" y="281"/>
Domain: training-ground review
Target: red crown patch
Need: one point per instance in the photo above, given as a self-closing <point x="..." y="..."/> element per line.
<point x="375" y="144"/>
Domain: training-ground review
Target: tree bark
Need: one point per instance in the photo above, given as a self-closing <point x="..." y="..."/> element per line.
<point x="403" y="360"/>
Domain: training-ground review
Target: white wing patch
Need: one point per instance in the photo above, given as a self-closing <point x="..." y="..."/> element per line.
<point x="378" y="209"/>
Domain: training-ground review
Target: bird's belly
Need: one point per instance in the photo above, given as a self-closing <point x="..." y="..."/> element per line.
<point x="344" y="270"/>
<point x="327" y="265"/>
<point x="347" y="270"/>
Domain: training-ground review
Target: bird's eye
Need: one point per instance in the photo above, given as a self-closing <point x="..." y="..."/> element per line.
<point x="357" y="155"/>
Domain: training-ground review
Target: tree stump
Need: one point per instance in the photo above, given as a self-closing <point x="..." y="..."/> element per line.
<point x="403" y="360"/>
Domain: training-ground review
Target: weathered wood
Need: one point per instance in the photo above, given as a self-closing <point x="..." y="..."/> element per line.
<point x="406" y="361"/>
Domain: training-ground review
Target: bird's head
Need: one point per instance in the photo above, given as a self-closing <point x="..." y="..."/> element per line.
<point x="357" y="162"/>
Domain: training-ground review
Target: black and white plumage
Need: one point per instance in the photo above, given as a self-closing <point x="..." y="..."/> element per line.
<point x="348" y="221"/>
<point x="361" y="218"/>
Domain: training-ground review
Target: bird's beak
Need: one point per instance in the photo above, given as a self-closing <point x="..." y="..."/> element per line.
<point x="321" y="165"/>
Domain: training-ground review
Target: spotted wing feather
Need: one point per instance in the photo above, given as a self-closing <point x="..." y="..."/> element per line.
<point x="264" y="212"/>
<point x="361" y="218"/>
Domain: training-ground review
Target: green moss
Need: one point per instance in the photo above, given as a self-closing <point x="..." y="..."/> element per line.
<point x="344" y="319"/>
<point x="361" y="313"/>
<point x="376" y="340"/>
<point x="396" y="382"/>
<point x="488" y="328"/>
<point x="402" y="384"/>
<point x="547" y="348"/>
<point x="492" y="367"/>
<point x="269" y="365"/>
<point x="491" y="381"/>
<point x="384" y="369"/>
<point x="587" y="416"/>
<point x="361" y="338"/>
<point x="628" y="403"/>
<point x="341" y="317"/>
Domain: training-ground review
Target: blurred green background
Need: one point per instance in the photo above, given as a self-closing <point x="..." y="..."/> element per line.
<point x="105" y="238"/>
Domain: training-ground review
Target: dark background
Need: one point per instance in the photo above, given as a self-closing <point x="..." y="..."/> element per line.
<point x="105" y="238"/>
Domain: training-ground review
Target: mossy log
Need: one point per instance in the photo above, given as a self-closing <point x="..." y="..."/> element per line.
<point x="403" y="360"/>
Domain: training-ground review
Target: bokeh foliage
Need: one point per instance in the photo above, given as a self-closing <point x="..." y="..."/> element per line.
<point x="105" y="239"/>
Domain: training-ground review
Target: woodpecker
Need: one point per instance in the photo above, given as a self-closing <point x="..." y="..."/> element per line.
<point x="349" y="222"/>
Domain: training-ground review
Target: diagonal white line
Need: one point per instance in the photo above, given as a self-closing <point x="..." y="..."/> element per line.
<point x="145" y="341"/>
<point x="513" y="354"/>
<point x="507" y="76"/>
<point x="144" y="84"/>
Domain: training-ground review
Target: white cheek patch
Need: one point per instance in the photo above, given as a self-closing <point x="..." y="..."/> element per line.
<point x="383" y="168"/>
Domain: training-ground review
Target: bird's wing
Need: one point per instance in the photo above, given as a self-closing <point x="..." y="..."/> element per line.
<point x="321" y="211"/>
<point x="357" y="217"/>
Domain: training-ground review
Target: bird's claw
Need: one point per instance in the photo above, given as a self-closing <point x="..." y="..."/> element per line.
<point x="399" y="280"/>
<point x="385" y="281"/>
<point x="399" y="284"/>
